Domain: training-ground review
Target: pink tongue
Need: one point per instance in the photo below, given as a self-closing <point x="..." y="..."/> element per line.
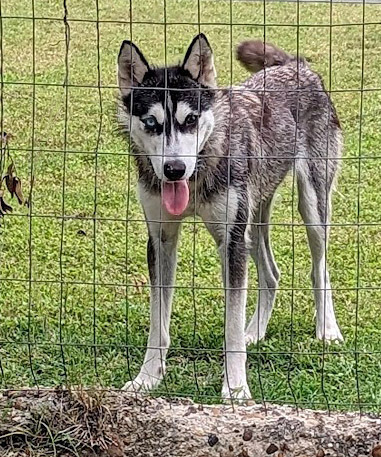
<point x="175" y="196"/>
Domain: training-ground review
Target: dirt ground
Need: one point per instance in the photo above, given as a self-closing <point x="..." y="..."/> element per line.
<point x="97" y="423"/>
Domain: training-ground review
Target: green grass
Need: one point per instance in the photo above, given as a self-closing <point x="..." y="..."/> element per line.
<point x="111" y="312"/>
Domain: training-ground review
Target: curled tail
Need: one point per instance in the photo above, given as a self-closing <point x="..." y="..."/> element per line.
<point x="256" y="55"/>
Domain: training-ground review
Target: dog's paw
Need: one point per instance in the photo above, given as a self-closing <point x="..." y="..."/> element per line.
<point x="251" y="338"/>
<point x="254" y="333"/>
<point x="142" y="383"/>
<point x="240" y="394"/>
<point x="331" y="333"/>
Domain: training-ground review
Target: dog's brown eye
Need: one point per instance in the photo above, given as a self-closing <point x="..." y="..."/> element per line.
<point x="190" y="119"/>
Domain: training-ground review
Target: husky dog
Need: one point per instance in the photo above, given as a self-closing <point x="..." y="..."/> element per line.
<point x="221" y="154"/>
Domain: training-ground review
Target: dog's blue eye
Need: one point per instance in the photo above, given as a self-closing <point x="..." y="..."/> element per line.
<point x="150" y="122"/>
<point x="190" y="119"/>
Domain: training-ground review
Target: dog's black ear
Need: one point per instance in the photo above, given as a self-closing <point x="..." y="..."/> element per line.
<point x="199" y="62"/>
<point x="132" y="66"/>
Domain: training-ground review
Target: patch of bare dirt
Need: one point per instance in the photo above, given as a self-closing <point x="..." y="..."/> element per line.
<point x="98" y="423"/>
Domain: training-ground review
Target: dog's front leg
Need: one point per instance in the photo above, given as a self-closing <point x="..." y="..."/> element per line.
<point x="226" y="220"/>
<point x="234" y="266"/>
<point x="161" y="256"/>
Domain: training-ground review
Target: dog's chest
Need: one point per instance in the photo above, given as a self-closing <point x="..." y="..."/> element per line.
<point x="221" y="208"/>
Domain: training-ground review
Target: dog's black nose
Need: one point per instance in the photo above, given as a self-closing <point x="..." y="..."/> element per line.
<point x="174" y="170"/>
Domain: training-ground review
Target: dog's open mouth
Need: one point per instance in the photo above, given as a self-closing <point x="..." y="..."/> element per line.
<point x="175" y="196"/>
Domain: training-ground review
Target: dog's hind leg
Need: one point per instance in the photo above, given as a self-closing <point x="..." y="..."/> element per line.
<point x="161" y="256"/>
<point x="268" y="274"/>
<point x="314" y="189"/>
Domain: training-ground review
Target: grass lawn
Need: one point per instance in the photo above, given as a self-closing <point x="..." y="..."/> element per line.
<point x="89" y="279"/>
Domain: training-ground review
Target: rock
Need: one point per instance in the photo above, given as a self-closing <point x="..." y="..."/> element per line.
<point x="247" y="434"/>
<point x="191" y="410"/>
<point x="271" y="449"/>
<point x="212" y="440"/>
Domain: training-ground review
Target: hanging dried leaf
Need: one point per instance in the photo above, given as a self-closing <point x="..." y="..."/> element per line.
<point x="18" y="190"/>
<point x="11" y="169"/>
<point x="12" y="182"/>
<point x="4" y="207"/>
<point x="9" y="181"/>
<point x="9" y="178"/>
<point x="4" y="139"/>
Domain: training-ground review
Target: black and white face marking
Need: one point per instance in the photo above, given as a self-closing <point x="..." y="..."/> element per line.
<point x="170" y="125"/>
<point x="170" y="132"/>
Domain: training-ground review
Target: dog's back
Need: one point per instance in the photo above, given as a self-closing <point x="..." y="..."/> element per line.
<point x="288" y="82"/>
<point x="297" y="121"/>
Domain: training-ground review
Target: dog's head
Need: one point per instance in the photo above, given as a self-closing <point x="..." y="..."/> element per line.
<point x="168" y="113"/>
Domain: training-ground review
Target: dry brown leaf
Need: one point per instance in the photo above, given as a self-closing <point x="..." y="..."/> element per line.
<point x="9" y="183"/>
<point x="4" y="207"/>
<point x="18" y="190"/>
<point x="4" y="139"/>
<point x="11" y="169"/>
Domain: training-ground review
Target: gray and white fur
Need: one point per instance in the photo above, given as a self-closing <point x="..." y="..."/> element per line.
<point x="230" y="148"/>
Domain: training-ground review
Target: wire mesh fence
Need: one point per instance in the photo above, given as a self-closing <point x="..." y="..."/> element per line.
<point x="74" y="284"/>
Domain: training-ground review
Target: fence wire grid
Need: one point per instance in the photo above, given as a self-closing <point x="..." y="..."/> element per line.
<point x="74" y="287"/>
